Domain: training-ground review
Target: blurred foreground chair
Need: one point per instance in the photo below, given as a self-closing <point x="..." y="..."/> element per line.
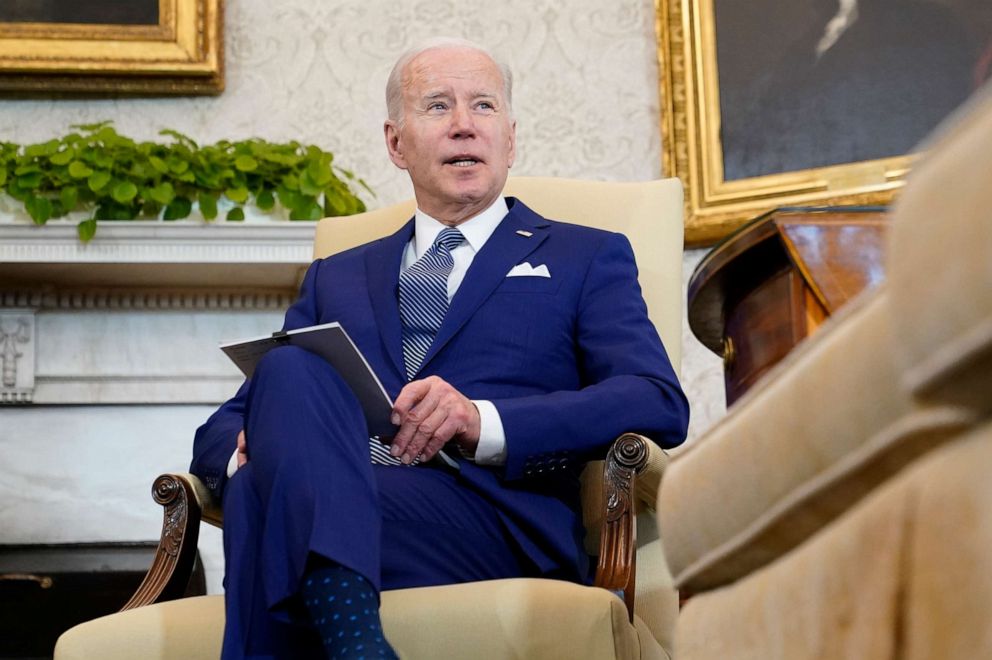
<point x="519" y="618"/>
<point x="843" y="507"/>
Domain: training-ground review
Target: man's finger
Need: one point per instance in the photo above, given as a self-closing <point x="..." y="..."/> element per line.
<point x="412" y="419"/>
<point x="242" y="448"/>
<point x="426" y="430"/>
<point x="408" y="397"/>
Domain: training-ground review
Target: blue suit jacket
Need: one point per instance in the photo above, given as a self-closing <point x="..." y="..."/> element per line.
<point x="570" y="362"/>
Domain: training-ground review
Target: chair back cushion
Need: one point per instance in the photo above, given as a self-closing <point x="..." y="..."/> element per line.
<point x="821" y="430"/>
<point x="649" y="213"/>
<point x="940" y="264"/>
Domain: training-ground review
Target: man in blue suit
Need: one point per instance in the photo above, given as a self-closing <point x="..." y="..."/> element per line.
<point x="518" y="344"/>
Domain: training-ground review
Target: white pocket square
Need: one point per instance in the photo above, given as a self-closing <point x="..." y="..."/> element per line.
<point x="526" y="270"/>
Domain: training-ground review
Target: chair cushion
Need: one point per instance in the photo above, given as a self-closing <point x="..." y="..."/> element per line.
<point x="816" y="434"/>
<point x="938" y="268"/>
<point x="190" y="628"/>
<point x="906" y="573"/>
<point x="520" y="618"/>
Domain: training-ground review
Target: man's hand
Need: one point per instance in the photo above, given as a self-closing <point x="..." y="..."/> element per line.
<point x="242" y="449"/>
<point x="430" y="412"/>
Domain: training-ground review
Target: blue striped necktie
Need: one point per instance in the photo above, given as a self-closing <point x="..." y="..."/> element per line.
<point x="423" y="304"/>
<point x="424" y="298"/>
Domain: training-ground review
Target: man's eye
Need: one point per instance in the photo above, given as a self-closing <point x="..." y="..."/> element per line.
<point x="486" y="105"/>
<point x="437" y="105"/>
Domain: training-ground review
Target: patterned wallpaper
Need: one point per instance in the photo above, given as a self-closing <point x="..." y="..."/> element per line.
<point x="586" y="95"/>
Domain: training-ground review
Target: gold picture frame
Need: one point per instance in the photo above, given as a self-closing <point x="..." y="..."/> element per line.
<point x="693" y="144"/>
<point x="180" y="55"/>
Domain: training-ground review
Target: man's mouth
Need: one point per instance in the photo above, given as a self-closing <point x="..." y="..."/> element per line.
<point x="462" y="161"/>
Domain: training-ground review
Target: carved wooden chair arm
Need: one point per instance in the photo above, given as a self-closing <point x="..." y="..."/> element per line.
<point x="631" y="459"/>
<point x="181" y="496"/>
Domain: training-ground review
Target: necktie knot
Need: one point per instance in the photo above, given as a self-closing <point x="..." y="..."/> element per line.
<point x="449" y="238"/>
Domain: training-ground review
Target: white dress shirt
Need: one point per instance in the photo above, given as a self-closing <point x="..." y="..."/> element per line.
<point x="476" y="230"/>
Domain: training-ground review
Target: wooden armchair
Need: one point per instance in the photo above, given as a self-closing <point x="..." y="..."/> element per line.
<point x="501" y="618"/>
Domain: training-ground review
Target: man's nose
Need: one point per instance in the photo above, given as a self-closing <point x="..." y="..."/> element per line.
<point x="462" y="122"/>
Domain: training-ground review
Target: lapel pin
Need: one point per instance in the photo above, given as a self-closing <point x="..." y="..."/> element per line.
<point x="525" y="234"/>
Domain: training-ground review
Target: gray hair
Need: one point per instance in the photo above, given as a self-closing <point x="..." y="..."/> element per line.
<point x="394" y="86"/>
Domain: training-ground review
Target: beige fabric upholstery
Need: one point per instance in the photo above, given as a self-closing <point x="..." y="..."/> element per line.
<point x="191" y="628"/>
<point x="649" y="213"/>
<point x="500" y="619"/>
<point x="939" y="270"/>
<point x="843" y="509"/>
<point x="826" y="426"/>
<point x="907" y="573"/>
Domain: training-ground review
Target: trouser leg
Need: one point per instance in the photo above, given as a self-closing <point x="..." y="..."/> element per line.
<point x="309" y="488"/>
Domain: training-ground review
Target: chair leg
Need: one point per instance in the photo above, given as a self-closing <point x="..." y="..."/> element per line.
<point x="173" y="564"/>
<point x="617" y="569"/>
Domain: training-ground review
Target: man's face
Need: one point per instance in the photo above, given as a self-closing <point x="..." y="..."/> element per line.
<point x="456" y="138"/>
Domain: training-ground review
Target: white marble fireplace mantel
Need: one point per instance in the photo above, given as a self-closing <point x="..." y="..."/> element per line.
<point x="135" y="315"/>
<point x="156" y="253"/>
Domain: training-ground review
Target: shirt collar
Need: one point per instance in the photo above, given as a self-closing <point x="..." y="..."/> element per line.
<point x="476" y="230"/>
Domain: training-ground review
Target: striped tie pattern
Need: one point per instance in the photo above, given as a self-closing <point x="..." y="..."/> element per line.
<point x="423" y="304"/>
<point x="424" y="298"/>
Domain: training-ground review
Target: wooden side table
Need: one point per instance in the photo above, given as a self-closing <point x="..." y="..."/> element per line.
<point x="772" y="283"/>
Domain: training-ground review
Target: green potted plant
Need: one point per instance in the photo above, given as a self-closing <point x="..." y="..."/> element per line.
<point x="109" y="176"/>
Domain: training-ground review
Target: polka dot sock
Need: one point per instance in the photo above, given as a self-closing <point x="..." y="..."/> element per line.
<point x="344" y="609"/>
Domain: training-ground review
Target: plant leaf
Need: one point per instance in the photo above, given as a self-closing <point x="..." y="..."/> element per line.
<point x="39" y="208"/>
<point x="79" y="170"/>
<point x="124" y="192"/>
<point x="208" y="205"/>
<point x="178" y="208"/>
<point x="265" y="200"/>
<point x="237" y="195"/>
<point x="62" y="157"/>
<point x="29" y="181"/>
<point x="246" y="163"/>
<point x="308" y="186"/>
<point x="237" y="214"/>
<point x="310" y="211"/>
<point x="159" y="164"/>
<point x="319" y="172"/>
<point x="98" y="180"/>
<point x="162" y="193"/>
<point x="86" y="230"/>
<point x="69" y="196"/>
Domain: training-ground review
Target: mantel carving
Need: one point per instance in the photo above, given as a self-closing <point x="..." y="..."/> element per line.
<point x="16" y="355"/>
<point x="47" y="297"/>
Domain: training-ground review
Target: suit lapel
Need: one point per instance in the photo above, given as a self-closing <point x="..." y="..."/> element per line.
<point x="382" y="266"/>
<point x="504" y="250"/>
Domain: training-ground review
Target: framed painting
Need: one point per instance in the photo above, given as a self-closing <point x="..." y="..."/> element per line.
<point x="111" y="47"/>
<point x="808" y="102"/>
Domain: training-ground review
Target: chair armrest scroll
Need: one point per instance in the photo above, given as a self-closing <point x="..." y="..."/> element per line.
<point x="173" y="564"/>
<point x="616" y="570"/>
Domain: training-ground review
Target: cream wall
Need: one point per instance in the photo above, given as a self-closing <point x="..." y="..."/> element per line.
<point x="586" y="97"/>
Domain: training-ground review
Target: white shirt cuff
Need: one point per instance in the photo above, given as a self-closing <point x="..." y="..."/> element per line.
<point x="492" y="439"/>
<point x="232" y="465"/>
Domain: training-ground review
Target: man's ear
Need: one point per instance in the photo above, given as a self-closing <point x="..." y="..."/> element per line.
<point x="393" y="146"/>
<point x="512" y="155"/>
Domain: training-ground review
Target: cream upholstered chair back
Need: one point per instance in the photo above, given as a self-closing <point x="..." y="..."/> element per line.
<point x="649" y="213"/>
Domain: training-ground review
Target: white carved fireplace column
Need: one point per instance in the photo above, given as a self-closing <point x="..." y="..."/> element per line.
<point x="17" y="348"/>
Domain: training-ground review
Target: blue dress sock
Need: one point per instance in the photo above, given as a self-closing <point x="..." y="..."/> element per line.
<point x="344" y="609"/>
